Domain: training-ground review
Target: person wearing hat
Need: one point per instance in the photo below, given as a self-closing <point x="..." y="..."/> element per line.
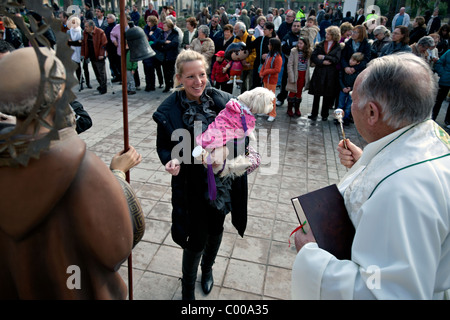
<point x="63" y="209"/>
<point x="219" y="75"/>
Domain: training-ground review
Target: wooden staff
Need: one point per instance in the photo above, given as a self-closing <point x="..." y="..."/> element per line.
<point x="125" y="121"/>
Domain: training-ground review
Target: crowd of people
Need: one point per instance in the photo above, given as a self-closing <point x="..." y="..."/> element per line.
<point x="393" y="94"/>
<point x="210" y="33"/>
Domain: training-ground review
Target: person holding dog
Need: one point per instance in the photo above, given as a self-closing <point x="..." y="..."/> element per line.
<point x="197" y="224"/>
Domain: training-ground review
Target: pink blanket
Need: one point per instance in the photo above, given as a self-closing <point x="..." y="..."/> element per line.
<point x="227" y="126"/>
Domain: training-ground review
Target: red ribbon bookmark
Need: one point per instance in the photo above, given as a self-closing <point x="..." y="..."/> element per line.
<point x="296" y="229"/>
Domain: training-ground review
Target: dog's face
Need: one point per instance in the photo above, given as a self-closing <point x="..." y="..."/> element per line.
<point x="262" y="108"/>
<point x="259" y="100"/>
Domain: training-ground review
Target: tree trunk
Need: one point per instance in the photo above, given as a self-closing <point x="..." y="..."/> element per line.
<point x="138" y="4"/>
<point x="392" y="12"/>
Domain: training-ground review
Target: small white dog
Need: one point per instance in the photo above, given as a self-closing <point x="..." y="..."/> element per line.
<point x="236" y="121"/>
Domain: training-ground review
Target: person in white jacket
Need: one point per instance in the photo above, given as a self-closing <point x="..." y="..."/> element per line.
<point x="396" y="194"/>
<point x="401" y="19"/>
<point x="75" y="37"/>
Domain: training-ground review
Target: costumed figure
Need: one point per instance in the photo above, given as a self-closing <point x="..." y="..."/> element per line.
<point x="236" y="53"/>
<point x="67" y="222"/>
<point x="236" y="121"/>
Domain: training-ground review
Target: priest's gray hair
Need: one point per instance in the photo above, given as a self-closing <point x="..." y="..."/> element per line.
<point x="403" y="86"/>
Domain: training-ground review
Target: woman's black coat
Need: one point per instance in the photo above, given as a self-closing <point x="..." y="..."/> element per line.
<point x="170" y="50"/>
<point x="189" y="187"/>
<point x="348" y="51"/>
<point x="325" y="79"/>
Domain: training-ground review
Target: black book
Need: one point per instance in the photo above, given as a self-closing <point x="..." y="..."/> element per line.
<point x="325" y="214"/>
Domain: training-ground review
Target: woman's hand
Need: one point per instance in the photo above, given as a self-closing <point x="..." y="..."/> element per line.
<point x="348" y="156"/>
<point x="173" y="167"/>
<point x="125" y="161"/>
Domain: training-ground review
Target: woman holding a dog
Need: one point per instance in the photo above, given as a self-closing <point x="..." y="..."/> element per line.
<point x="197" y="222"/>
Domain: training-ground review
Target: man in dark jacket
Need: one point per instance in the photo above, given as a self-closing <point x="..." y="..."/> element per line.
<point x="99" y="19"/>
<point x="93" y="48"/>
<point x="216" y="35"/>
<point x="286" y="26"/>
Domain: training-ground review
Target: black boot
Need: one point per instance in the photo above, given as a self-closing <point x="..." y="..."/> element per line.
<point x="209" y="256"/>
<point x="88" y="82"/>
<point x="190" y="266"/>
<point x="297" y="107"/>
<point x="290" y="106"/>
<point x="315" y="108"/>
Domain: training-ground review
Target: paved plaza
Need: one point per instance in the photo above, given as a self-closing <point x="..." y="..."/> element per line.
<point x="299" y="156"/>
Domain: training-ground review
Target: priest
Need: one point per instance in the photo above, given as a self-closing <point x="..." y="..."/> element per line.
<point x="396" y="194"/>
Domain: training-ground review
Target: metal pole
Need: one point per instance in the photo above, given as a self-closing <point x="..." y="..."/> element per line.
<point x="125" y="121"/>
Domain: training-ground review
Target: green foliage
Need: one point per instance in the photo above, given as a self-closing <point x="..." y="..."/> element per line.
<point x="384" y="6"/>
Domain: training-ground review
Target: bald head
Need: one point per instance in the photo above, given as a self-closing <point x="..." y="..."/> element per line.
<point x="402" y="84"/>
<point x="23" y="74"/>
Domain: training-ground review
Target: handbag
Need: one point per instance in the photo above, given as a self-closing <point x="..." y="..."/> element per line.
<point x="260" y="56"/>
<point x="254" y="157"/>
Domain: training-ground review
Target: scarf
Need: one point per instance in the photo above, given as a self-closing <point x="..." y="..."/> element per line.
<point x="193" y="111"/>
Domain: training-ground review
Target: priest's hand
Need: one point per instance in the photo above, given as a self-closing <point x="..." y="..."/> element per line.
<point x="301" y="239"/>
<point x="348" y="156"/>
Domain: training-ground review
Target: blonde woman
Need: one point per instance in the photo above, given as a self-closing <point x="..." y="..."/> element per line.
<point x="75" y="36"/>
<point x="324" y="81"/>
<point x="197" y="222"/>
<point x="259" y="29"/>
<point x="346" y="31"/>
<point x="12" y="33"/>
